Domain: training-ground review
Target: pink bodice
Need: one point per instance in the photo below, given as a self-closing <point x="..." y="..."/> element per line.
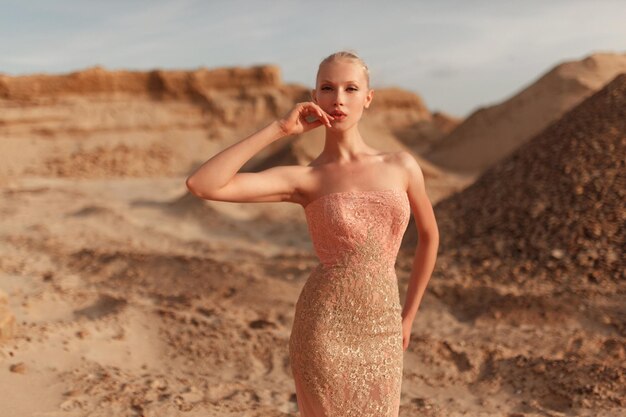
<point x="357" y="227"/>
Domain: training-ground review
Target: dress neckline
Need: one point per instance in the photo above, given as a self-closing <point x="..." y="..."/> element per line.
<point x="347" y="192"/>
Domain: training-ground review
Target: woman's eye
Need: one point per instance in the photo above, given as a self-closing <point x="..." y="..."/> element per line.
<point x="349" y="88"/>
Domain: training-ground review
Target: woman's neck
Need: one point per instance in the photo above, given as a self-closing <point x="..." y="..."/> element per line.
<point x="342" y="146"/>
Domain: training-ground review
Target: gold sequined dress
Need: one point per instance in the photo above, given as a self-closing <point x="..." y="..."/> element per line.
<point x="345" y="346"/>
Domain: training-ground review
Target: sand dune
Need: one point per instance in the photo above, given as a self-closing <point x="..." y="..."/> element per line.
<point x="493" y="132"/>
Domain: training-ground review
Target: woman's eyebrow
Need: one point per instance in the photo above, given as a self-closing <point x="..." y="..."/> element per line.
<point x="347" y="82"/>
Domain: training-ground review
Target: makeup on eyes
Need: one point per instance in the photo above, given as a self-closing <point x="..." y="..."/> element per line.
<point x="351" y="87"/>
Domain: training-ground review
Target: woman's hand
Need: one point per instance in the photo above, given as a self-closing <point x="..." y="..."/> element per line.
<point x="406" y="333"/>
<point x="295" y="121"/>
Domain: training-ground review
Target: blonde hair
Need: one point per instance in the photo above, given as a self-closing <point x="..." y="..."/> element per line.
<point x="349" y="55"/>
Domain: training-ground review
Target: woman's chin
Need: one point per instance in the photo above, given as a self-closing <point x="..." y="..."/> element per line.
<point x="338" y="126"/>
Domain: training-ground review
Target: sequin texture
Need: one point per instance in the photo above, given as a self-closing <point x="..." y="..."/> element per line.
<point x="345" y="347"/>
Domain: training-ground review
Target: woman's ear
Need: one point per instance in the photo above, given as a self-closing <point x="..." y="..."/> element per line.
<point x="313" y="96"/>
<point x="368" y="99"/>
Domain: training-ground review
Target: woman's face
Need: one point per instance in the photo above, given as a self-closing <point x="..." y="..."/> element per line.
<point x="342" y="86"/>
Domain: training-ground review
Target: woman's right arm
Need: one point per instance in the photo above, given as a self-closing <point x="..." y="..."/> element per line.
<point x="219" y="179"/>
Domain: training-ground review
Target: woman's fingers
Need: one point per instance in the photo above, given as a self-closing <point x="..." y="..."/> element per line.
<point x="328" y="117"/>
<point x="325" y="116"/>
<point x="310" y="107"/>
<point x="314" y="124"/>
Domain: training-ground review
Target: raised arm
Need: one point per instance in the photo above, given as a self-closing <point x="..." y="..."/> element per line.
<point x="427" y="246"/>
<point x="219" y="179"/>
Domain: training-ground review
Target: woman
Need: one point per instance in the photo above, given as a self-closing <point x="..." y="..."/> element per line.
<point x="349" y="331"/>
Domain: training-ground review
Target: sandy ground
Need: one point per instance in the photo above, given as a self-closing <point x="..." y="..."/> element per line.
<point x="130" y="300"/>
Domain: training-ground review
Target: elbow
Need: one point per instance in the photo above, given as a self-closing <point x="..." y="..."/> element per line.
<point x="198" y="190"/>
<point x="191" y="186"/>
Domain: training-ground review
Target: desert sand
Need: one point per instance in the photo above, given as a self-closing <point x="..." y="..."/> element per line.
<point x="121" y="294"/>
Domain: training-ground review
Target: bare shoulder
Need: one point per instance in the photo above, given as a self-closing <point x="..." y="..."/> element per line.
<point x="406" y="160"/>
<point x="421" y="205"/>
<point x="409" y="166"/>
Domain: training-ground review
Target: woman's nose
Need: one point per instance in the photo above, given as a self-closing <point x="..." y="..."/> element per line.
<point x="338" y="97"/>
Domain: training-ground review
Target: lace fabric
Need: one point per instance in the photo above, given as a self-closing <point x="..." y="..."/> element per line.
<point x="345" y="346"/>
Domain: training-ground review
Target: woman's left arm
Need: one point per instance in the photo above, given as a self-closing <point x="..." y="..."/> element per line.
<point x="428" y="242"/>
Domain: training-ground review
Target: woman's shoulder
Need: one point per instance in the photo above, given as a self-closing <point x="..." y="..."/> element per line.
<point x="404" y="158"/>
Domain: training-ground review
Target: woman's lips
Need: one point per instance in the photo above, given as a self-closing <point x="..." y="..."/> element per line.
<point x="339" y="116"/>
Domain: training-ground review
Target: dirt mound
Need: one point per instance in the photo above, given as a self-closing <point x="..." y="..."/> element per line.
<point x="555" y="208"/>
<point x="405" y="116"/>
<point x="393" y="98"/>
<point x="157" y="83"/>
<point x="492" y="133"/>
<point x="422" y="135"/>
<point x="100" y="123"/>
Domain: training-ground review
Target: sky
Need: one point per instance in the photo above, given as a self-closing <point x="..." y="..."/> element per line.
<point x="458" y="55"/>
